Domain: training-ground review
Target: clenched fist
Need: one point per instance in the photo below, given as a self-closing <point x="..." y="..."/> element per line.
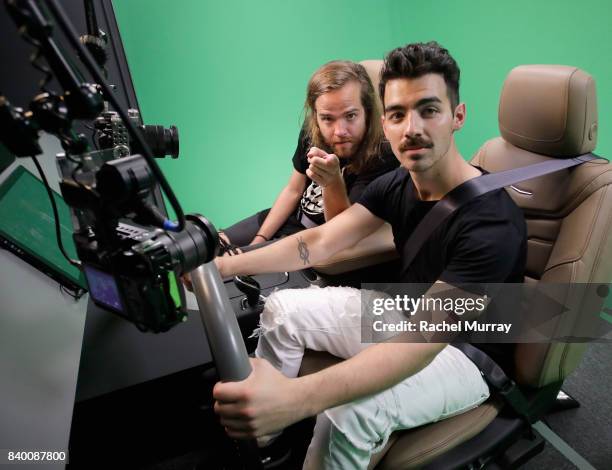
<point x="324" y="167"/>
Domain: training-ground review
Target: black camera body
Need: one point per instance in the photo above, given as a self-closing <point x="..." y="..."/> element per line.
<point x="131" y="263"/>
<point x="112" y="134"/>
<point x="138" y="279"/>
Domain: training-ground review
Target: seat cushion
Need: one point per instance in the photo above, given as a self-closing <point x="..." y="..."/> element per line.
<point x="415" y="447"/>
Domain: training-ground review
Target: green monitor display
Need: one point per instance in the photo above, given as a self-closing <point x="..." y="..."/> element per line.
<point x="27" y="227"/>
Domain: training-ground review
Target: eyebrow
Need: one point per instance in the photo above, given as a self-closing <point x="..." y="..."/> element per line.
<point x="421" y="102"/>
<point x="348" y="111"/>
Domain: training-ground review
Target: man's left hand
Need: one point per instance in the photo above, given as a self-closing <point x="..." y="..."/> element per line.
<point x="265" y="402"/>
<point x="324" y="168"/>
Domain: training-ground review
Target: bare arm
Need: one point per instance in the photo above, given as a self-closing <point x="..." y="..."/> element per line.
<point x="267" y="401"/>
<point x="305" y="248"/>
<point x="285" y="204"/>
<point x="335" y="199"/>
<point x="371" y="371"/>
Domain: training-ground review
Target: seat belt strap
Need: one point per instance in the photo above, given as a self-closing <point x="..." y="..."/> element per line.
<point x="473" y="188"/>
<point x="444" y="208"/>
<point x="497" y="380"/>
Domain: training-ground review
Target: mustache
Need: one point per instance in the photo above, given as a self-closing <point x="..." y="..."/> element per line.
<point x="413" y="143"/>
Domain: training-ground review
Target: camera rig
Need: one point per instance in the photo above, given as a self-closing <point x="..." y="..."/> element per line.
<point x="130" y="253"/>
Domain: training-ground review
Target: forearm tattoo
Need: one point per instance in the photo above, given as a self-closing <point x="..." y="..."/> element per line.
<point x="303" y="249"/>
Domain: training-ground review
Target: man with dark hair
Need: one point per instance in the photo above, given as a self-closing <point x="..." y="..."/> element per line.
<point x="340" y="150"/>
<point x="387" y="386"/>
<point x="416" y="60"/>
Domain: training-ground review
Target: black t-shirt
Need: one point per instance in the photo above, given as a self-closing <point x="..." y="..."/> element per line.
<point x="485" y="241"/>
<point x="311" y="203"/>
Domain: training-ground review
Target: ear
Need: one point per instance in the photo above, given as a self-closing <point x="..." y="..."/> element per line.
<point x="459" y="117"/>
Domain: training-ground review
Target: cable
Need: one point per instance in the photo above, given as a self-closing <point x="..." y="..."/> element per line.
<point x="92" y="67"/>
<point x="76" y="294"/>
<point x="58" y="234"/>
<point x="34" y="60"/>
<point x="94" y="135"/>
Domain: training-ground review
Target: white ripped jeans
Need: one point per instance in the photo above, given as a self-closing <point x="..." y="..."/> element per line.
<point x="345" y="437"/>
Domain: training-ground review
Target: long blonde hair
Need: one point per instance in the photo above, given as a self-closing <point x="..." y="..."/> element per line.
<point x="333" y="76"/>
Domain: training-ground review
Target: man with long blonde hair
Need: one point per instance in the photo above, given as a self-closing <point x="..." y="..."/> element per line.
<point x="340" y="150"/>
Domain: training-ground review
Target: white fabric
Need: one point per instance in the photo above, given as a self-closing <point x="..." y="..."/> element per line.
<point x="329" y="319"/>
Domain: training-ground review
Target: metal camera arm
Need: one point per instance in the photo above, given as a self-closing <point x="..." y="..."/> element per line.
<point x="226" y="343"/>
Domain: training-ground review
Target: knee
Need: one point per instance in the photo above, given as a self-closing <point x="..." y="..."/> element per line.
<point x="364" y="426"/>
<point x="286" y="303"/>
<point x="308" y="308"/>
<point x="277" y="309"/>
<point x="332" y="448"/>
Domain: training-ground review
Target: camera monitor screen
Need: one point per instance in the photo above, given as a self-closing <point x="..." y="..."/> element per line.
<point x="103" y="289"/>
<point x="27" y="227"/>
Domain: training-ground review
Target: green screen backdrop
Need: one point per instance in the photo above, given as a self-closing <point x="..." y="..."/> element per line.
<point x="232" y="75"/>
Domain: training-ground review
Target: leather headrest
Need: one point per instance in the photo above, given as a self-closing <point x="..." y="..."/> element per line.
<point x="373" y="68"/>
<point x="549" y="109"/>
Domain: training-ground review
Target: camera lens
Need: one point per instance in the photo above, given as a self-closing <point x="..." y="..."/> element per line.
<point x="162" y="141"/>
<point x="196" y="244"/>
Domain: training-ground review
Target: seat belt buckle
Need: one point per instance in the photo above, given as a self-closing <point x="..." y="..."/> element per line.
<point x="513" y="395"/>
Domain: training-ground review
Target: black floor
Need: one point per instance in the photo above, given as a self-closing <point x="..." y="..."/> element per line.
<point x="588" y="429"/>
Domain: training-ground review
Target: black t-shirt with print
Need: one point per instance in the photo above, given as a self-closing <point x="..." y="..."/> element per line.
<point x="311" y="203"/>
<point x="485" y="241"/>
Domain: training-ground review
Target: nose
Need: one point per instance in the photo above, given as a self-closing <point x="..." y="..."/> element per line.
<point x="341" y="128"/>
<point x="414" y="124"/>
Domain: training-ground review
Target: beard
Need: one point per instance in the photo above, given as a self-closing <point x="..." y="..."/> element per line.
<point x="349" y="151"/>
<point x="344" y="149"/>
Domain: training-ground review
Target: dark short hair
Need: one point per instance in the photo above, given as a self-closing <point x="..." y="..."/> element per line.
<point x="418" y="59"/>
